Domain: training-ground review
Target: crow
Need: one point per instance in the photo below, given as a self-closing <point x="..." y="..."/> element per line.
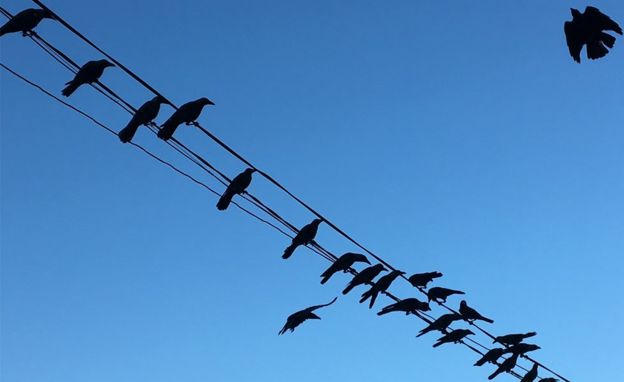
<point x="299" y="317"/>
<point x="437" y="293"/>
<point x="408" y="305"/>
<point x="343" y="263"/>
<point x="588" y="29"/>
<point x="87" y="74"/>
<point x="513" y="339"/>
<point x="25" y="21"/>
<point x="454" y="336"/>
<point x="364" y="277"/>
<point x="303" y="237"/>
<point x="236" y="186"/>
<point x="531" y="375"/>
<point x="470" y="314"/>
<point x="522" y="348"/>
<point x="420" y="280"/>
<point x="491" y="356"/>
<point x="505" y="367"/>
<point x="144" y="115"/>
<point x="380" y="286"/>
<point x="187" y="113"/>
<point x="441" y="323"/>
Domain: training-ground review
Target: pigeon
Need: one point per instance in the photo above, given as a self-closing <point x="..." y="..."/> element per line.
<point x="380" y="286"/>
<point x="25" y="21"/>
<point x="505" y="367"/>
<point x="408" y="305"/>
<point x="420" y="280"/>
<point x="531" y="375"/>
<point x="454" y="336"/>
<point x="522" y="348"/>
<point x="143" y="116"/>
<point x="588" y="29"/>
<point x="238" y="185"/>
<point x="513" y="339"/>
<point x="299" y="317"/>
<point x="491" y="356"/>
<point x="303" y="237"/>
<point x="187" y="113"/>
<point x="87" y="74"/>
<point x="470" y="314"/>
<point x="441" y="323"/>
<point x="364" y="277"/>
<point x="437" y="293"/>
<point x="343" y="263"/>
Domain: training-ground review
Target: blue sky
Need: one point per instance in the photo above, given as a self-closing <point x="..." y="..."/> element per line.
<point x="453" y="136"/>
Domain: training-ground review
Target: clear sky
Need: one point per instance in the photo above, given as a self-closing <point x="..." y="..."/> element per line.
<point x="450" y="135"/>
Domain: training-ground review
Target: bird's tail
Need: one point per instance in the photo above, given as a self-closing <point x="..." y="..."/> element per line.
<point x="289" y="251"/>
<point x="487" y="320"/>
<point x="372" y="301"/>
<point x="595" y="50"/>
<point x="284" y="329"/>
<point x="437" y="344"/>
<point x="224" y="201"/>
<point x="70" y="88"/>
<point x="127" y="133"/>
<point x="325" y="277"/>
<point x="2" y="31"/>
<point x="494" y="375"/>
<point x="480" y="362"/>
<point x="167" y="130"/>
<point x="607" y="39"/>
<point x="348" y="288"/>
<point x="366" y="295"/>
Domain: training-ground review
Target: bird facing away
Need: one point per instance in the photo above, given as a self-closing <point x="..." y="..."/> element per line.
<point x="25" y="21"/>
<point x="588" y="28"/>
<point x="470" y="314"/>
<point x="187" y="113"/>
<point x="530" y="375"/>
<point x="144" y="115"/>
<point x="454" y="336"/>
<point x="367" y="275"/>
<point x="343" y="263"/>
<point x="303" y="237"/>
<point x="237" y="186"/>
<point x="513" y="339"/>
<point x="438" y="293"/>
<point x="87" y="74"/>
<point x="380" y="286"/>
<point x="491" y="356"/>
<point x="420" y="280"/>
<point x="441" y="323"/>
<point x="408" y="305"/>
<point x="522" y="348"/>
<point x="297" y="318"/>
<point x="505" y="367"/>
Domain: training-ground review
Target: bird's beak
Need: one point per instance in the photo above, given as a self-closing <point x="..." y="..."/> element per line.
<point x="209" y="102"/>
<point x="109" y="64"/>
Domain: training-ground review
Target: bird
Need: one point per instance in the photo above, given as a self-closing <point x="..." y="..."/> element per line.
<point x="380" y="286"/>
<point x="343" y="263"/>
<point x="236" y="186"/>
<point x="407" y="305"/>
<point x="549" y="379"/>
<point x="299" y="317"/>
<point x="364" y="277"/>
<point x="470" y="314"/>
<point x="438" y="293"/>
<point x="303" y="237"/>
<point x="522" y="348"/>
<point x="144" y="115"/>
<point x="530" y="375"/>
<point x="505" y="367"/>
<point x="513" y="339"/>
<point x="187" y="113"/>
<point x="588" y="28"/>
<point x="441" y="323"/>
<point x="454" y="336"/>
<point x="420" y="280"/>
<point x="25" y="21"/>
<point x="491" y="356"/>
<point x="87" y="74"/>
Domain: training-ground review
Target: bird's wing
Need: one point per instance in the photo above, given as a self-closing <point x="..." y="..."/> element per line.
<point x="595" y="17"/>
<point x="315" y="307"/>
<point x="574" y="39"/>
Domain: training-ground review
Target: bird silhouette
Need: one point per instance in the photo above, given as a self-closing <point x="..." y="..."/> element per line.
<point x="343" y="263"/>
<point x="530" y="375"/>
<point x="238" y="185"/>
<point x="187" y="113"/>
<point x="453" y="336"/>
<point x="470" y="314"/>
<point x="522" y="348"/>
<point x="513" y="339"/>
<point x="441" y="323"/>
<point x="367" y="275"/>
<point x="408" y="305"/>
<point x="491" y="356"/>
<point x="549" y="379"/>
<point x="438" y="293"/>
<point x="303" y="237"/>
<point x="420" y="280"/>
<point x="505" y="367"/>
<point x="588" y="28"/>
<point x="299" y="317"/>
<point x="380" y="286"/>
<point x="144" y="115"/>
<point x="87" y="74"/>
<point x="25" y="21"/>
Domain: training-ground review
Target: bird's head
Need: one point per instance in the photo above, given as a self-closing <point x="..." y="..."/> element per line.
<point x="463" y="303"/>
<point x="425" y="307"/>
<point x="106" y="63"/>
<point x="469" y="332"/>
<point x="205" y="101"/>
<point x="317" y="221"/>
<point x="575" y="12"/>
<point x="47" y="14"/>
<point x="160" y="99"/>
<point x="250" y="171"/>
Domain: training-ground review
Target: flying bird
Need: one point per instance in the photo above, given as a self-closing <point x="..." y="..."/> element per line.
<point x="237" y="186"/>
<point x="454" y="336"/>
<point x="530" y="375"/>
<point x="491" y="356"/>
<point x="441" y="323"/>
<point x="25" y="21"/>
<point x="408" y="305"/>
<point x="144" y="115"/>
<point x="87" y="74"/>
<point x="470" y="314"/>
<point x="380" y="286"/>
<point x="522" y="348"/>
<point x="513" y="339"/>
<point x="303" y="237"/>
<point x="420" y="280"/>
<point x="367" y="275"/>
<point x="438" y="293"/>
<point x="299" y="317"/>
<point x="187" y="113"/>
<point x="505" y="367"/>
<point x="588" y="28"/>
<point x="343" y="263"/>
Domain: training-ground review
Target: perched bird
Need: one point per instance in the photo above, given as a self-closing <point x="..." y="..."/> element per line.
<point x="588" y="29"/>
<point x="522" y="348"/>
<point x="491" y="356"/>
<point x="549" y="379"/>
<point x="470" y="314"/>
<point x="420" y="280"/>
<point x="343" y="263"/>
<point x="303" y="237"/>
<point x="441" y="323"/>
<point x="146" y="114"/>
<point x="407" y="305"/>
<point x="297" y="318"/>
<point x="187" y="113"/>
<point x="364" y="277"/>
<point x="505" y="367"/>
<point x="87" y="74"/>
<point x="380" y="286"/>
<point x="530" y="375"/>
<point x="236" y="186"/>
<point x="25" y="21"/>
<point x="454" y="336"/>
<point x="513" y="339"/>
<point x="437" y="293"/>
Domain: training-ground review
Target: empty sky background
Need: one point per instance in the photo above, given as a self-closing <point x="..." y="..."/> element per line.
<point x="450" y="135"/>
